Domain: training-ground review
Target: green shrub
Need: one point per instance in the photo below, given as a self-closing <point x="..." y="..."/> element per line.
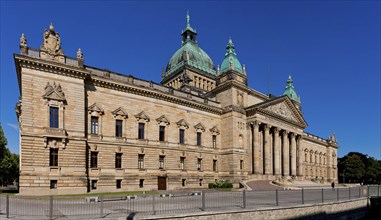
<point x="220" y="184"/>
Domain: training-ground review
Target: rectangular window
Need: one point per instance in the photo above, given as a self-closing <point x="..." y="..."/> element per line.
<point x="94" y="125"/>
<point x="141" y="183"/>
<point x="214" y="141"/>
<point x="214" y="165"/>
<point x="54" y="117"/>
<point x="53" y="157"/>
<point x="241" y="164"/>
<point x="141" y="161"/>
<point x="118" y="184"/>
<point x="141" y="131"/>
<point x="182" y="163"/>
<point x="161" y="162"/>
<point x="53" y="184"/>
<point x="162" y="133"/>
<point x="181" y="136"/>
<point x="198" y="138"/>
<point x="118" y="128"/>
<point x="184" y="182"/>
<point x="118" y="160"/>
<point x="94" y="160"/>
<point x="201" y="182"/>
<point x="94" y="184"/>
<point x="199" y="162"/>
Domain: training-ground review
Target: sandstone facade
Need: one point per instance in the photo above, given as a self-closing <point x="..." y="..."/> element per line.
<point x="86" y="129"/>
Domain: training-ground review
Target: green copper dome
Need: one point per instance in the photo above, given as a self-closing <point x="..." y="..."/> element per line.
<point x="231" y="61"/>
<point x="290" y="91"/>
<point x="190" y="54"/>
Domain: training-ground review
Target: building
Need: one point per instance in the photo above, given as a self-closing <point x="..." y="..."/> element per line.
<point x="85" y="129"/>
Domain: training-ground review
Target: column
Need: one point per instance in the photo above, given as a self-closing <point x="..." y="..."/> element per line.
<point x="276" y="152"/>
<point x="285" y="154"/>
<point x="257" y="150"/>
<point x="266" y="147"/>
<point x="293" y="154"/>
<point x="299" y="171"/>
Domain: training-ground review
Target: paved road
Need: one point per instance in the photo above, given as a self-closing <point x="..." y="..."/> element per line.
<point x="77" y="208"/>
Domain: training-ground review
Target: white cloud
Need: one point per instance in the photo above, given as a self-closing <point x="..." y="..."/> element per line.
<point x="14" y="126"/>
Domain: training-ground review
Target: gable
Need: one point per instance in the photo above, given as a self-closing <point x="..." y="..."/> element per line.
<point x="281" y="108"/>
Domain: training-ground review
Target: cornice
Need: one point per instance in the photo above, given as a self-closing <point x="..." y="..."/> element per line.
<point x="233" y="108"/>
<point x="47" y="66"/>
<point x="231" y="83"/>
<point x="154" y="94"/>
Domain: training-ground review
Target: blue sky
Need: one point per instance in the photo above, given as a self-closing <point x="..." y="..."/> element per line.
<point x="330" y="48"/>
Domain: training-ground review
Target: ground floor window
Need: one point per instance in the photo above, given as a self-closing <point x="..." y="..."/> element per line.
<point x="118" y="184"/>
<point x="200" y="182"/>
<point x="53" y="184"/>
<point x="94" y="184"/>
<point x="141" y="183"/>
<point x="184" y="182"/>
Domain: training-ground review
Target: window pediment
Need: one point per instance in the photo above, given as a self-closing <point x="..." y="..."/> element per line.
<point x="199" y="127"/>
<point x="215" y="130"/>
<point x="182" y="123"/>
<point x="120" y="112"/>
<point x="142" y="116"/>
<point x="54" y="92"/>
<point x="163" y="119"/>
<point x="96" y="108"/>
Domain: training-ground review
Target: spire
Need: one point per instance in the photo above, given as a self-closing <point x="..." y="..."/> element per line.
<point x="189" y="34"/>
<point x="51" y="27"/>
<point x="290" y="90"/>
<point x="231" y="61"/>
<point x="230" y="49"/>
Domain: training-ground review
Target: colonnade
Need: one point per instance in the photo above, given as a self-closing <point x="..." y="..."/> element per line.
<point x="275" y="151"/>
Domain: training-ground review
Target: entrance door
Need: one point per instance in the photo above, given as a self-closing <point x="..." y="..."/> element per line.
<point x="161" y="183"/>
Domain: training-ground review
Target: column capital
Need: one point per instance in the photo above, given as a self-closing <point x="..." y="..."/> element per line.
<point x="292" y="134"/>
<point x="284" y="132"/>
<point x="255" y="123"/>
<point x="276" y="130"/>
<point x="266" y="127"/>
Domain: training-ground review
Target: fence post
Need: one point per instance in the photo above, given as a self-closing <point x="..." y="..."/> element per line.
<point x="338" y="195"/>
<point x="7" y="206"/>
<point x="303" y="195"/>
<point x="360" y="191"/>
<point x="101" y="197"/>
<point x="349" y="193"/>
<point x="322" y="195"/>
<point x="154" y="205"/>
<point x="276" y="197"/>
<point x="203" y="200"/>
<point x="244" y="198"/>
<point x="51" y="207"/>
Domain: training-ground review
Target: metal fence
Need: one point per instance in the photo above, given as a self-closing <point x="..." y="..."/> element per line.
<point x="112" y="206"/>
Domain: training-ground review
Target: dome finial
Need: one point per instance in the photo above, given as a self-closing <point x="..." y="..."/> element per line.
<point x="188" y="19"/>
<point x="51" y="27"/>
<point x="290" y="90"/>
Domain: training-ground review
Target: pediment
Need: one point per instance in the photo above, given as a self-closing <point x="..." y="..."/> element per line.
<point x="120" y="111"/>
<point x="163" y="119"/>
<point x="215" y="130"/>
<point x="54" y="92"/>
<point x="142" y="115"/>
<point x="281" y="108"/>
<point x="95" y="108"/>
<point x="182" y="123"/>
<point x="200" y="127"/>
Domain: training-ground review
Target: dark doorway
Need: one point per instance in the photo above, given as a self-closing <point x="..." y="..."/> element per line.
<point x="161" y="183"/>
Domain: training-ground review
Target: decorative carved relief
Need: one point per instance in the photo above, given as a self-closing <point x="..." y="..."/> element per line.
<point x="282" y="110"/>
<point x="54" y="92"/>
<point x="23" y="41"/>
<point x="52" y="44"/>
<point x="239" y="98"/>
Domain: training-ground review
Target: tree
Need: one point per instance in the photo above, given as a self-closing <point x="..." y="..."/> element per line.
<point x="9" y="162"/>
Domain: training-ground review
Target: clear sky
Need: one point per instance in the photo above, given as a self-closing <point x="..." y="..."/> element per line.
<point x="330" y="48"/>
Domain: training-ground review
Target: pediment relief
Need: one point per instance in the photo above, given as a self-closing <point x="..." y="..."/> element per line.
<point x="142" y="116"/>
<point x="95" y="108"/>
<point x="163" y="119"/>
<point x="182" y="123"/>
<point x="199" y="127"/>
<point x="54" y="92"/>
<point x="282" y="110"/>
<point x="120" y="111"/>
